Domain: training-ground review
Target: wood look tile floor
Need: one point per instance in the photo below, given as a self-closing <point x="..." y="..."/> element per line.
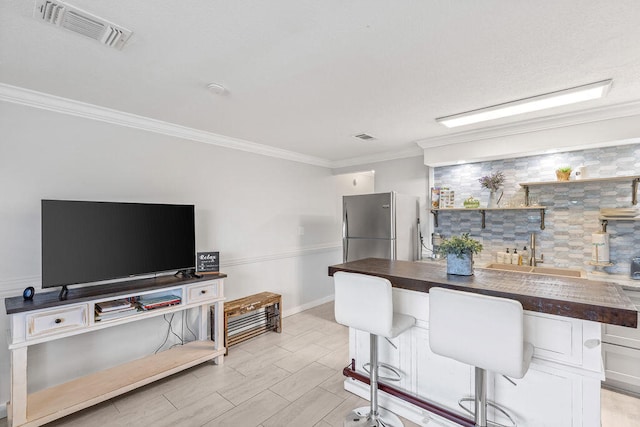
<point x="275" y="380"/>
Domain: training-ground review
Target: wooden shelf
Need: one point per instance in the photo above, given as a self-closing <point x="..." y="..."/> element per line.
<point x="604" y="220"/>
<point x="523" y="208"/>
<point x="483" y="211"/>
<point x="635" y="179"/>
<point x="55" y="402"/>
<point x="620" y="218"/>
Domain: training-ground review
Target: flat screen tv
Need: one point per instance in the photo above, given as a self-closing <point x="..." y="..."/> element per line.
<point x="84" y="242"/>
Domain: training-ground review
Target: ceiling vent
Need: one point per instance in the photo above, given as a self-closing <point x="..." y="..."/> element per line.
<point x="77" y="20"/>
<point x="364" y="137"/>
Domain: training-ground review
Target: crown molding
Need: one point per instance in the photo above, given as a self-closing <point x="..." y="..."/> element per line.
<point x="44" y="101"/>
<point x="536" y="125"/>
<point x="379" y="157"/>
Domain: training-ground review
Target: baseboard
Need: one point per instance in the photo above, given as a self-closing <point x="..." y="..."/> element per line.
<point x="3" y="410"/>
<point x="307" y="306"/>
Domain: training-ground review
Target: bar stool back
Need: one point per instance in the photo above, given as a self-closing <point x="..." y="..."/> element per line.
<point x="483" y="331"/>
<point x="366" y="303"/>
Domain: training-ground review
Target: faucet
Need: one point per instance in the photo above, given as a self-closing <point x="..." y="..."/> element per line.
<point x="532" y="245"/>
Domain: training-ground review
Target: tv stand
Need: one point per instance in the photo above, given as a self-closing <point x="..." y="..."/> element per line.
<point x="49" y="318"/>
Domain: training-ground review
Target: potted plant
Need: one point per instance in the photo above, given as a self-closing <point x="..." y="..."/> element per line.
<point x="493" y="182"/>
<point x="459" y="251"/>
<point x="563" y="173"/>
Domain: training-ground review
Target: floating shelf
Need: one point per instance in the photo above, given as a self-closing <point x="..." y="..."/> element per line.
<point x="635" y="179"/>
<point x="483" y="212"/>
<point x="604" y="220"/>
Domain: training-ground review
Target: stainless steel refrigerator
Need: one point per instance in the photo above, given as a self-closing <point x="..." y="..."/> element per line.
<point x="382" y="225"/>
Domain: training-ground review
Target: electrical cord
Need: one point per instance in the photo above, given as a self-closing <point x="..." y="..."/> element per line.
<point x="169" y="331"/>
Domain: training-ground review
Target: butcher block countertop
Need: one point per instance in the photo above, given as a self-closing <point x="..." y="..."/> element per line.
<point x="585" y="299"/>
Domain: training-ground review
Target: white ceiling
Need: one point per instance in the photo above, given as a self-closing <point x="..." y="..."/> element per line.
<point x="305" y="76"/>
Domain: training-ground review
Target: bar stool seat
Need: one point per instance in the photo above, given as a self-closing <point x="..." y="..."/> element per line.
<point x="483" y="331"/>
<point x="366" y="303"/>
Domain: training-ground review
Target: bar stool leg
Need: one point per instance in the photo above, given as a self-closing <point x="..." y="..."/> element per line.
<point x="481" y="397"/>
<point x="373" y="356"/>
<point x="372" y="416"/>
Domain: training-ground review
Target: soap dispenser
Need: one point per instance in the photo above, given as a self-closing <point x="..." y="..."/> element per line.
<point x="525" y="256"/>
<point x="507" y="257"/>
<point x="515" y="258"/>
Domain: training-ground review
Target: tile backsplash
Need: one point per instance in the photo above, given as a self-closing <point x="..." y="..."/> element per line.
<point x="572" y="210"/>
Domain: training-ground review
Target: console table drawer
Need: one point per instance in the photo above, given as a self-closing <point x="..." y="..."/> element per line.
<point x="56" y="321"/>
<point x="196" y="293"/>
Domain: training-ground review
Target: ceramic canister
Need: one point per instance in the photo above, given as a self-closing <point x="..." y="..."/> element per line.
<point x="581" y="172"/>
<point x="600" y="247"/>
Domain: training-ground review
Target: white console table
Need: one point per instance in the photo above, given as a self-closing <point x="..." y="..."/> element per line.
<point x="47" y="318"/>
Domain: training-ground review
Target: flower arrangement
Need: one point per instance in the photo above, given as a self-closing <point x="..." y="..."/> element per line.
<point x="460" y="245"/>
<point x="493" y="182"/>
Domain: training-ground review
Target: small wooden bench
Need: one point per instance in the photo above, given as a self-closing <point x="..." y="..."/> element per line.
<point x="250" y="316"/>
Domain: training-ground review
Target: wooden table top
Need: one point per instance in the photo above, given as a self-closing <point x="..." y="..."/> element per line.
<point x="88" y="293"/>
<point x="585" y="299"/>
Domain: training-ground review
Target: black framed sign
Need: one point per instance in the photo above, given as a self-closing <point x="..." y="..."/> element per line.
<point x="208" y="262"/>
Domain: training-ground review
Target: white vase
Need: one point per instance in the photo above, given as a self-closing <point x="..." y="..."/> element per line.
<point x="493" y="200"/>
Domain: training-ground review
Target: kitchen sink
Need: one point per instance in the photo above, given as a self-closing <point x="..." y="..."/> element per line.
<point x="551" y="271"/>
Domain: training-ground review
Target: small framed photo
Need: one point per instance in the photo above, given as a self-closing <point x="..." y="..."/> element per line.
<point x="208" y="263"/>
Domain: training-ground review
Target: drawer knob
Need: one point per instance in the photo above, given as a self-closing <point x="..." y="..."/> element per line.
<point x="203" y="292"/>
<point x="58" y="320"/>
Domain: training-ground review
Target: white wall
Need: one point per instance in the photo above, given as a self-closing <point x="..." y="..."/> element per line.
<point x="273" y="221"/>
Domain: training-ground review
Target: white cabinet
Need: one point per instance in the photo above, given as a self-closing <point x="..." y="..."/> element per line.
<point x="622" y="367"/>
<point x="561" y="388"/>
<point x="621" y="353"/>
<point x="543" y="398"/>
<point x="439" y="379"/>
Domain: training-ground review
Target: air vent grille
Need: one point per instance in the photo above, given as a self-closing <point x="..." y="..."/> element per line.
<point x="73" y="19"/>
<point x="364" y="137"/>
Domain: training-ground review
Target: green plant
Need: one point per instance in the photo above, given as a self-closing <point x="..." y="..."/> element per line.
<point x="564" y="169"/>
<point x="460" y="245"/>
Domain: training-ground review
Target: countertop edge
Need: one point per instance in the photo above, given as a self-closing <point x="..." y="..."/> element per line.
<point x="620" y="316"/>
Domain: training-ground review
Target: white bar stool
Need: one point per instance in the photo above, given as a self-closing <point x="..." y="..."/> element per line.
<point x="366" y="303"/>
<point x="483" y="331"/>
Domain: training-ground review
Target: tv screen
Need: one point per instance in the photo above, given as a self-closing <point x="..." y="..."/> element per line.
<point x="86" y="242"/>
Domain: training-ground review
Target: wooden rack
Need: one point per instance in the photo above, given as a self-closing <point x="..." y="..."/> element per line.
<point x="250" y="316"/>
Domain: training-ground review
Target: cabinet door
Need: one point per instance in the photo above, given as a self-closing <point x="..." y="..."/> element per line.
<point x="622" y="367"/>
<point x="628" y="337"/>
<point x="549" y="399"/>
<point x="439" y="379"/>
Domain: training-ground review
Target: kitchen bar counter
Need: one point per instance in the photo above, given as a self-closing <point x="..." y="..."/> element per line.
<point x="583" y="299"/>
<point x="562" y="320"/>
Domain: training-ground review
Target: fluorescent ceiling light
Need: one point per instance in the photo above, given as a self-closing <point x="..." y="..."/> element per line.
<point x="527" y="105"/>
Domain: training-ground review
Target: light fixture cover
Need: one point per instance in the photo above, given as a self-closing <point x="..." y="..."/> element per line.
<point x="217" y="88"/>
<point x="527" y="105"/>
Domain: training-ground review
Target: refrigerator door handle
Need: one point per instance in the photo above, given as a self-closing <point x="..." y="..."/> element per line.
<point x="345" y="249"/>
<point x="345" y="235"/>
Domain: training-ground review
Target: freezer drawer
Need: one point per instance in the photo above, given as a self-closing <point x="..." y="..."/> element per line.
<point x="354" y="249"/>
